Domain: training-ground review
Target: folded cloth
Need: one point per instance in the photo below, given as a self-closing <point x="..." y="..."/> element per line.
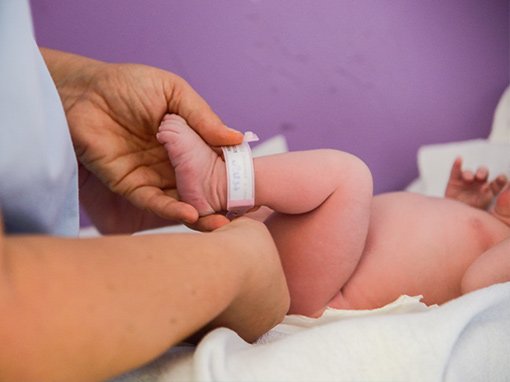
<point x="465" y="340"/>
<point x="500" y="131"/>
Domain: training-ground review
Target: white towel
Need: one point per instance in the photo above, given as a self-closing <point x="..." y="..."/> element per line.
<point x="500" y="131"/>
<point x="467" y="339"/>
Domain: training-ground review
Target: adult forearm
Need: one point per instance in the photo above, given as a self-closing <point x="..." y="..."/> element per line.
<point x="106" y="302"/>
<point x="71" y="73"/>
<point x="117" y="302"/>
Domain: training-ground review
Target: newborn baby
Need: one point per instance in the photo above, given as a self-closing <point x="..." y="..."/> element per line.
<point x="340" y="246"/>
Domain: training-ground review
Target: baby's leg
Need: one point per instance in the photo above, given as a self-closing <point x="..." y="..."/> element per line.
<point x="284" y="183"/>
<point x="320" y="249"/>
<point x="322" y="198"/>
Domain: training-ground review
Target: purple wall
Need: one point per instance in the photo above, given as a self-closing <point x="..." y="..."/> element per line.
<point x="373" y="77"/>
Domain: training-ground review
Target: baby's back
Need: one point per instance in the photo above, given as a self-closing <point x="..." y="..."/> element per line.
<point x="419" y="245"/>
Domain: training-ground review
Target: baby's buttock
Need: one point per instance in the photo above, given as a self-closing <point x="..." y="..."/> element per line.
<point x="419" y="245"/>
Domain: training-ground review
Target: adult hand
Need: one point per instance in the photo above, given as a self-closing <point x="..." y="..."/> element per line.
<point x="264" y="298"/>
<point x="114" y="111"/>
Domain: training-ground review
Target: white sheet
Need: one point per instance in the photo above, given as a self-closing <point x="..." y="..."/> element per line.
<point x="464" y="340"/>
<point x="500" y="129"/>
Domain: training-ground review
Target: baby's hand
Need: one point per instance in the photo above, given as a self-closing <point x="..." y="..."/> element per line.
<point x="473" y="188"/>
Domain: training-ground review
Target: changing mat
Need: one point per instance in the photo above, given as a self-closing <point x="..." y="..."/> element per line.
<point x="467" y="339"/>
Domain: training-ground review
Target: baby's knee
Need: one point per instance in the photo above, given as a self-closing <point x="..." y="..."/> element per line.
<point x="350" y="169"/>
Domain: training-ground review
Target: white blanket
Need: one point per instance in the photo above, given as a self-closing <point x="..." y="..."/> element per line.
<point x="467" y="339"/>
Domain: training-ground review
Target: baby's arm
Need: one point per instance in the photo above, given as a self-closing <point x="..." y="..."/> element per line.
<point x="492" y="267"/>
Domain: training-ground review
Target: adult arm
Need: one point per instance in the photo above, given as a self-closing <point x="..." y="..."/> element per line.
<point x="114" y="111"/>
<point x="117" y="302"/>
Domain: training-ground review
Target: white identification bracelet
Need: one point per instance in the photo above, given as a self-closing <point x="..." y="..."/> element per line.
<point x="240" y="176"/>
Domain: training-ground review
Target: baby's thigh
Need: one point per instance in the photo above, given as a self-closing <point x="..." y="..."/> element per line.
<point x="319" y="250"/>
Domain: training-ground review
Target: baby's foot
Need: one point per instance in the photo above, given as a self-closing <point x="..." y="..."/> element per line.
<point x="501" y="208"/>
<point x="200" y="173"/>
<point x="474" y="189"/>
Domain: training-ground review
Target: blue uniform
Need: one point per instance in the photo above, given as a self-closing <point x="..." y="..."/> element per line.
<point x="38" y="167"/>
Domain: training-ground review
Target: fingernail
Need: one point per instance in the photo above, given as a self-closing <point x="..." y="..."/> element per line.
<point x="231" y="129"/>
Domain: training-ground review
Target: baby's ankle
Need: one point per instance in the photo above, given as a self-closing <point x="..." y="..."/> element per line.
<point x="240" y="177"/>
<point x="218" y="186"/>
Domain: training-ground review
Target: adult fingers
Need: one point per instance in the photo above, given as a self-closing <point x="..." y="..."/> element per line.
<point x="163" y="205"/>
<point x="209" y="223"/>
<point x="186" y="102"/>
